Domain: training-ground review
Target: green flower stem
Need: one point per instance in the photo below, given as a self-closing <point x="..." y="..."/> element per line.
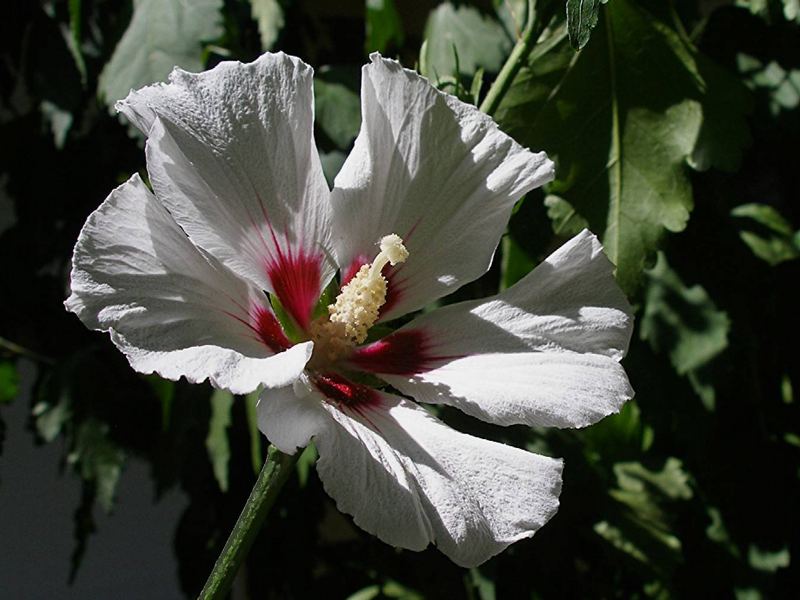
<point x="273" y="475"/>
<point x="534" y="25"/>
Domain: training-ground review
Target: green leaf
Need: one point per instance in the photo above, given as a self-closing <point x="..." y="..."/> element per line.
<point x="566" y="220"/>
<point x="9" y="381"/>
<point x="74" y="38"/>
<point x="384" y="27"/>
<point x="782" y="86"/>
<point x="778" y="243"/>
<point x="516" y="263"/>
<point x="671" y="482"/>
<point x="765" y="215"/>
<point x="162" y="34"/>
<point x="50" y="418"/>
<point x="389" y="589"/>
<point x="475" y="87"/>
<point x="643" y="527"/>
<point x="581" y="19"/>
<point x="620" y="436"/>
<point x="621" y="118"/>
<point x="269" y="16"/>
<point x="791" y="10"/>
<point x="483" y="586"/>
<point x="718" y="533"/>
<point x="772" y="250"/>
<point x="219" y="451"/>
<point x="767" y="560"/>
<point x="460" y="40"/>
<point x="331" y="164"/>
<point x="98" y="460"/>
<point x="512" y="14"/>
<point x="164" y="389"/>
<point x="337" y="108"/>
<point x="60" y="122"/>
<point x="681" y="321"/>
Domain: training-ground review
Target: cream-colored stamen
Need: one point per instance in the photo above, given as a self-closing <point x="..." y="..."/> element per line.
<point x="357" y="305"/>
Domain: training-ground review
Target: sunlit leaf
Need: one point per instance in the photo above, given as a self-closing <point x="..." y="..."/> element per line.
<point x="718" y="533"/>
<point x="768" y="560"/>
<point x="581" y="19"/>
<point x="781" y="84"/>
<point x="384" y="27"/>
<point x="682" y="321"/>
<point x="778" y="242"/>
<point x="162" y="34"/>
<point x="389" y="589"/>
<point x="621" y="118"/>
<point x="566" y="220"/>
<point x="464" y="36"/>
<point x="791" y="10"/>
<point x="50" y="417"/>
<point x="512" y="14"/>
<point x="644" y="529"/>
<point x="337" y="108"/>
<point x="217" y="445"/>
<point x="269" y="16"/>
<point x="97" y="459"/>
<point x="671" y="482"/>
<point x="619" y="436"/>
<point x="475" y="87"/>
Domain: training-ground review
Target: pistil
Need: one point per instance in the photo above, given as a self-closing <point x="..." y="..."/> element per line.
<point x="357" y="306"/>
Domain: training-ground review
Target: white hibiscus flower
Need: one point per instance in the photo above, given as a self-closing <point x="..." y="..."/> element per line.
<point x="240" y="207"/>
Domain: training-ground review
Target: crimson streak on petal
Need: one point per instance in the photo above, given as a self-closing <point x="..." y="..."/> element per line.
<point x="295" y="279"/>
<point x="340" y="390"/>
<point x="400" y="353"/>
<point x="269" y="330"/>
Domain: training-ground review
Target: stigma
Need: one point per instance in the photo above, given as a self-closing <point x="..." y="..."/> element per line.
<point x="357" y="306"/>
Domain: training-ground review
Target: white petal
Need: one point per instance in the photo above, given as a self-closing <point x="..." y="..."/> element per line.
<point x="411" y="480"/>
<point x="168" y="307"/>
<point x="435" y="171"/>
<point x="231" y="153"/>
<point x="543" y="352"/>
<point x="289" y="416"/>
<point x="555" y="389"/>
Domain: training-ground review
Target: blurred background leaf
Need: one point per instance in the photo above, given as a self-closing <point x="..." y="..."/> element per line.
<point x="269" y="16"/>
<point x="162" y="34"/>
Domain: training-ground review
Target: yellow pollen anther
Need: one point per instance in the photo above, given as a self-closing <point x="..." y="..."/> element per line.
<point x="357" y="305"/>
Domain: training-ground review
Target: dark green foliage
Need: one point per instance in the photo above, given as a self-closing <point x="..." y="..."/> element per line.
<point x="384" y="26"/>
<point x="581" y="19"/>
<point x="675" y="133"/>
